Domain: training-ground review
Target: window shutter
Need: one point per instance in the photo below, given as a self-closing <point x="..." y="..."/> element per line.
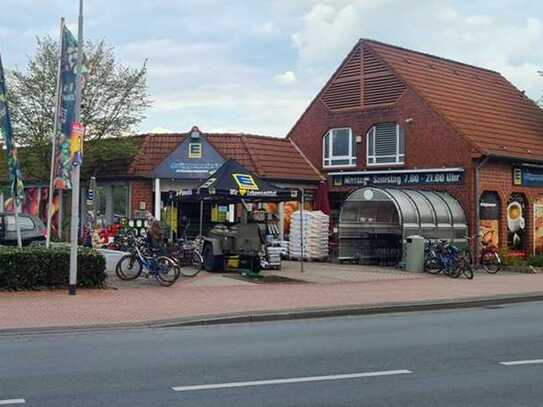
<point x="385" y="139"/>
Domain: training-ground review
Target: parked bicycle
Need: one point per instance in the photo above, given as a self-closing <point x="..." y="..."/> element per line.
<point x="188" y="256"/>
<point x="123" y="240"/>
<point x="444" y="257"/>
<point x="489" y="258"/>
<point x="146" y="261"/>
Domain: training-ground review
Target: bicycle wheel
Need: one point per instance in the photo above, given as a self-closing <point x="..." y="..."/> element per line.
<point x="491" y="262"/>
<point x="431" y="265"/>
<point x="128" y="267"/>
<point x="166" y="270"/>
<point x="466" y="267"/>
<point x="195" y="265"/>
<point x="454" y="270"/>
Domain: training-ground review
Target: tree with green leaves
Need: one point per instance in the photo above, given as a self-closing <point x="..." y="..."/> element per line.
<point x="114" y="101"/>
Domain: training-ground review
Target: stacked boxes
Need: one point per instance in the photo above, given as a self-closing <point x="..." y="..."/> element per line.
<point x="315" y="235"/>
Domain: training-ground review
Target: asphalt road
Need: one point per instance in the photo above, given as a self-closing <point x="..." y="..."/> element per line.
<point x="445" y="358"/>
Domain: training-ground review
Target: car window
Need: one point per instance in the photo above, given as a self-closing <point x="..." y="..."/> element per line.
<point x="24" y="222"/>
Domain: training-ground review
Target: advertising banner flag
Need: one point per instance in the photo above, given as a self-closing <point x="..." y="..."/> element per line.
<point x="76" y="144"/>
<point x="15" y="176"/>
<point x="63" y="150"/>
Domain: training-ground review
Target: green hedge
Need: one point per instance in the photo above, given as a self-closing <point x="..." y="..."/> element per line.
<point x="34" y="268"/>
<point x="536" y="261"/>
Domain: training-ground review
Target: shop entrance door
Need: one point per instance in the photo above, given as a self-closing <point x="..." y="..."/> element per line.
<point x="188" y="215"/>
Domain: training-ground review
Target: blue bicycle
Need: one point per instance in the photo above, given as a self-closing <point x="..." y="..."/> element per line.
<point x="443" y="257"/>
<point x="142" y="260"/>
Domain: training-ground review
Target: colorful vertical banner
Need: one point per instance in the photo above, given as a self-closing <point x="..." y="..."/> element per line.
<point x="76" y="143"/>
<point x="91" y="212"/>
<point x="63" y="150"/>
<point x="6" y="133"/>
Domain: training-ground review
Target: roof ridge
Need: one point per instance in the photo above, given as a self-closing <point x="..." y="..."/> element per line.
<point x="214" y="134"/>
<point x="370" y="41"/>
<point x="248" y="135"/>
<point x="256" y="165"/>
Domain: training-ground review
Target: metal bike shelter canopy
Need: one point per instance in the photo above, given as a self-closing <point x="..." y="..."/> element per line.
<point x="388" y="214"/>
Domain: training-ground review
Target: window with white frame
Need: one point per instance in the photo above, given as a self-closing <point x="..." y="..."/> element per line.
<point x="386" y="144"/>
<point x="339" y="148"/>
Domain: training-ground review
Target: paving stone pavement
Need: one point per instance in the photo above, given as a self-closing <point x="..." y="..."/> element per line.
<point x="327" y="285"/>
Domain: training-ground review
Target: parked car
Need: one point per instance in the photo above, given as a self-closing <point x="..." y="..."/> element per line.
<point x="33" y="230"/>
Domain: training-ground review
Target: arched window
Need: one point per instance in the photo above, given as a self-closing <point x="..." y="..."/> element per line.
<point x="385" y="144"/>
<point x="338" y="148"/>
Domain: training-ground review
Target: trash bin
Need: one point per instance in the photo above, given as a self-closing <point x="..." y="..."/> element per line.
<point x="414" y="254"/>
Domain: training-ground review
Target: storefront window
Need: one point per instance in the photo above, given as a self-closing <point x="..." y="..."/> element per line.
<point x="386" y="144"/>
<point x="120" y="201"/>
<point x="339" y="149"/>
<point x="489" y="211"/>
<point x="101" y="206"/>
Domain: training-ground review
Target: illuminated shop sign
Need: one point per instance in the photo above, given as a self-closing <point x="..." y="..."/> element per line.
<point x="528" y="176"/>
<point x="399" y="178"/>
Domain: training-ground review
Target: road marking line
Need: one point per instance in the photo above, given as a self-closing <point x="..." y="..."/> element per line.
<point x="522" y="362"/>
<point x="290" y="380"/>
<point x="11" y="402"/>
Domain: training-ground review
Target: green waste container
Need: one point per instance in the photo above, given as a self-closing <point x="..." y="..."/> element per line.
<point x="414" y="254"/>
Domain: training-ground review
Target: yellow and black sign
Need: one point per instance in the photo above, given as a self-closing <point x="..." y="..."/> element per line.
<point x="245" y="182"/>
<point x="195" y="150"/>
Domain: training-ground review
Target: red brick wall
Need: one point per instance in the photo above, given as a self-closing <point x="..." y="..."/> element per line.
<point x="497" y="176"/>
<point x="430" y="141"/>
<point x="141" y="191"/>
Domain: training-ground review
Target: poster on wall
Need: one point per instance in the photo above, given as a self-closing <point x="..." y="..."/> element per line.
<point x="516" y="223"/>
<point x="31" y="203"/>
<point x="290" y="208"/>
<point x="489" y="210"/>
<point x="538" y="227"/>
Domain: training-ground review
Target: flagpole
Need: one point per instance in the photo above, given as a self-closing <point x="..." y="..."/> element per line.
<point x="11" y="150"/>
<point x="54" y="140"/>
<point x="74" y="235"/>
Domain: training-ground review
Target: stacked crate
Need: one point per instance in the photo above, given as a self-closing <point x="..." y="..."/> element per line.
<point x="315" y="235"/>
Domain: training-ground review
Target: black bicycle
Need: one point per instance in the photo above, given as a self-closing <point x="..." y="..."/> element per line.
<point x="188" y="256"/>
<point x="444" y="257"/>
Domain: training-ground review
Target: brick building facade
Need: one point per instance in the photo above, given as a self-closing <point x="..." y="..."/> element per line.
<point x="128" y="184"/>
<point x="412" y="113"/>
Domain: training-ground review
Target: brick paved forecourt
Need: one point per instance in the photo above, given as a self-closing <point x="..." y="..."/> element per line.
<point x="325" y="286"/>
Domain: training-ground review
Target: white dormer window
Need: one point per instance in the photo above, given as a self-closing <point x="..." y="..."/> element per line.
<point x="385" y="144"/>
<point x="339" y="149"/>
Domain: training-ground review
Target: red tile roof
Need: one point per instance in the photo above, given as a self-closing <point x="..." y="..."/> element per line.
<point x="493" y="115"/>
<point x="269" y="157"/>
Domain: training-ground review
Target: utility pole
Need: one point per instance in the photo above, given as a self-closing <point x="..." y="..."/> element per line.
<point x="74" y="235"/>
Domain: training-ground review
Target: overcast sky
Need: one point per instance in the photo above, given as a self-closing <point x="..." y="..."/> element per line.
<point x="253" y="66"/>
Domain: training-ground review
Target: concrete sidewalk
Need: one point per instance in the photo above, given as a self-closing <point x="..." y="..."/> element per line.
<point x="323" y="286"/>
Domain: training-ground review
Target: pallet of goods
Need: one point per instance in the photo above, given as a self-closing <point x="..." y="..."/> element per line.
<point x="315" y="235"/>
